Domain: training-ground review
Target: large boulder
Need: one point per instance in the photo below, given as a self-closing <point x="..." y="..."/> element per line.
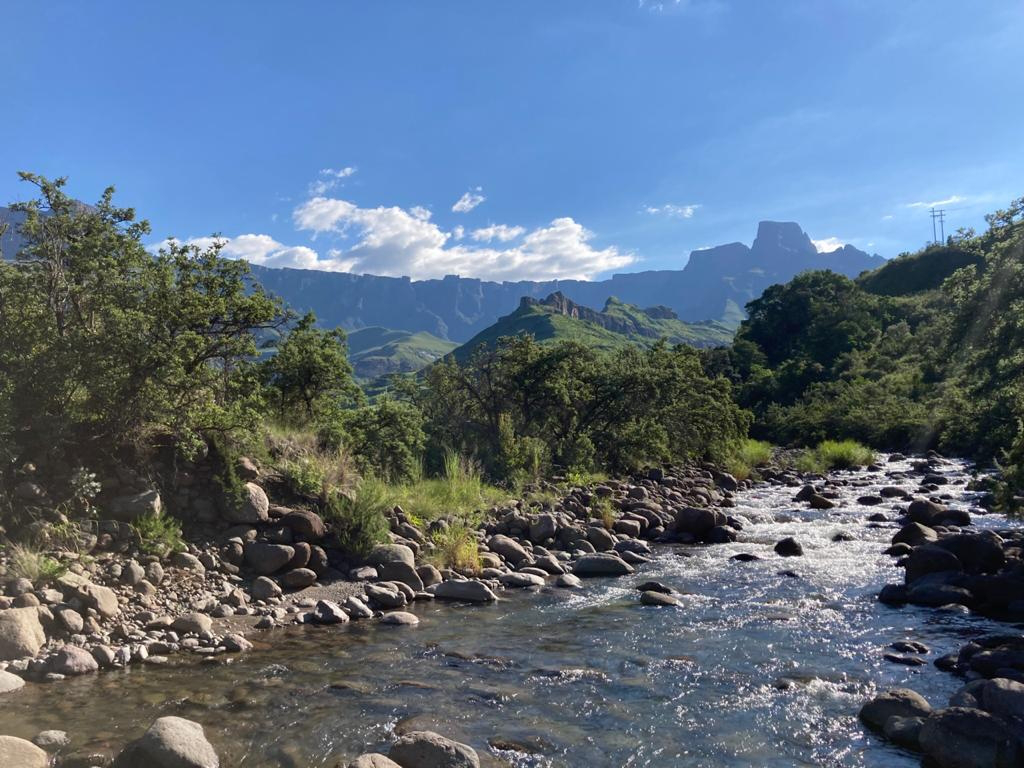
<point x="426" y="749"/>
<point x="18" y="753"/>
<point x="128" y="509"/>
<point x="101" y="599"/>
<point x="264" y="589"/>
<point x="898" y="702"/>
<point x="697" y="521"/>
<point x="925" y="512"/>
<point x="391" y="553"/>
<point x="72" y="660"/>
<point x="471" y="591"/>
<point x="930" y="558"/>
<point x="509" y="549"/>
<point x="254" y="506"/>
<point x="403" y="572"/>
<point x="969" y="738"/>
<point x="171" y="742"/>
<point x="21" y="634"/>
<point x="788" y="547"/>
<point x="915" y="534"/>
<point x="543" y="528"/>
<point x="978" y="553"/>
<point x="601" y="564"/>
<point x="305" y="525"/>
<point x="193" y="624"/>
<point x="265" y="559"/>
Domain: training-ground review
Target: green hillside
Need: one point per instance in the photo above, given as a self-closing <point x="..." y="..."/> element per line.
<point x="377" y="351"/>
<point x="916" y="272"/>
<point x="556" y="318"/>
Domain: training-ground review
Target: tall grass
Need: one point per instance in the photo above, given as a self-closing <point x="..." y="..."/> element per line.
<point x="460" y="493"/>
<point x="835" y="454"/>
<point x="358" y="517"/>
<point x="26" y="562"/>
<point x="456" y="548"/>
<point x="746" y="457"/>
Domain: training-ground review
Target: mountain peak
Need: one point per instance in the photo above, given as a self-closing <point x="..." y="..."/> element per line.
<point x="786" y="236"/>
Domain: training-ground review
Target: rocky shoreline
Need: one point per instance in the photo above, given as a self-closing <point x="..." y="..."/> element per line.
<point x="210" y="600"/>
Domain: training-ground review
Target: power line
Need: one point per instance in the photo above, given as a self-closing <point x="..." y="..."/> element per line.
<point x="938" y="214"/>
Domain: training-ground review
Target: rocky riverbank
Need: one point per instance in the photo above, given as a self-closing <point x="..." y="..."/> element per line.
<point x="552" y="544"/>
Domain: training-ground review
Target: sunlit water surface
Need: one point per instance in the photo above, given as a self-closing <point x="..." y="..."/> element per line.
<point x="575" y="678"/>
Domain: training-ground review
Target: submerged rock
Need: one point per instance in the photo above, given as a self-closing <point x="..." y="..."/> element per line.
<point x="171" y="742"/>
<point x="426" y="749"/>
<point x="898" y="702"/>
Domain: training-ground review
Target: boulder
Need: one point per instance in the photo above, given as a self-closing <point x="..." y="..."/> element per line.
<point x="568" y="581"/>
<point x="128" y="509"/>
<point x="651" y="597"/>
<point x="519" y="580"/>
<point x="72" y="660"/>
<point x="400" y="571"/>
<point x="305" y="525"/>
<point x="508" y="548"/>
<point x="789" y="547"/>
<point x="171" y="742"/>
<point x="901" y="702"/>
<point x="471" y="591"/>
<point x="924" y="511"/>
<point x="265" y="558"/>
<point x="263" y="589"/>
<point x="385" y="597"/>
<point x="400" y="618"/>
<point x="698" y="521"/>
<point x="904" y="731"/>
<point x="915" y="534"/>
<point x="373" y="760"/>
<point x="101" y="599"/>
<point x="958" y="737"/>
<point x="391" y="553"/>
<point x="426" y="749"/>
<point x="600" y="538"/>
<point x="328" y="612"/>
<point x="21" y="634"/>
<point x="601" y="564"/>
<point x="930" y="558"/>
<point x="253" y="508"/>
<point x="300" y="578"/>
<point x="429" y="575"/>
<point x="192" y="624"/>
<point x="817" y="501"/>
<point x="544" y="528"/>
<point x="1003" y="698"/>
<point x="977" y="553"/>
<point x="9" y="682"/>
<point x="18" y="753"/>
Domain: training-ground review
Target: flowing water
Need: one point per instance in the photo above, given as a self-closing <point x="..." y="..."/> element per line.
<point x="757" y="668"/>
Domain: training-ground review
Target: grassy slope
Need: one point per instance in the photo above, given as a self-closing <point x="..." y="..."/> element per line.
<point x="375" y="351"/>
<point x="917" y="272"/>
<point x="547" y="326"/>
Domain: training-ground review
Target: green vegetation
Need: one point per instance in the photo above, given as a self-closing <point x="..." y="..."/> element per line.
<point x="358" y="517"/>
<point x="744" y="459"/>
<point x="456" y="547"/>
<point x="459" y="493"/>
<point x="376" y="352"/>
<point x="159" y="534"/>
<point x="25" y="562"/>
<point x="618" y="326"/>
<point x="835" y="454"/>
<point x="912" y="273"/>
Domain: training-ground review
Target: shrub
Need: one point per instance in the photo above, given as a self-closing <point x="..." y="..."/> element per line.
<point x="460" y="493"/>
<point x="602" y="509"/>
<point x="835" y="454"/>
<point x="747" y="456"/>
<point x="159" y="534"/>
<point x="456" y="548"/>
<point x="358" y="518"/>
<point x="26" y="562"/>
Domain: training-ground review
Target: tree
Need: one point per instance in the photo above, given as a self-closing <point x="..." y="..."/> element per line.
<point x="310" y="372"/>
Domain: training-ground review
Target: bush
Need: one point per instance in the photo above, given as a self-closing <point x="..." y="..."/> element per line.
<point x="159" y="534"/>
<point x="746" y="457"/>
<point x="358" y="518"/>
<point x="456" y="548"/>
<point x="460" y="493"/>
<point x="835" y="454"/>
<point x="26" y="562"/>
<point x="385" y="439"/>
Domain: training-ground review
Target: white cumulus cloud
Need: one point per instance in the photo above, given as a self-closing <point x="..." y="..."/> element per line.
<point x="828" y="244"/>
<point x="329" y="178"/>
<point x="469" y="201"/>
<point x="259" y="249"/>
<point x="672" y="211"/>
<point x="501" y="232"/>
<point x="395" y="241"/>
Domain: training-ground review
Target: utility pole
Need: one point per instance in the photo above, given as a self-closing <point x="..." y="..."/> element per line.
<point x="938" y="214"/>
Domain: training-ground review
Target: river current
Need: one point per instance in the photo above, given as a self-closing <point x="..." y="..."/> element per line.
<point x="757" y="668"/>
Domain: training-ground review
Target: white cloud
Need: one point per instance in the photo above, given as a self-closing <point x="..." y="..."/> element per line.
<point x="469" y="201"/>
<point x="394" y="241"/>
<point x="671" y="210"/>
<point x="936" y="203"/>
<point x="329" y="178"/>
<point x="887" y="217"/>
<point x="260" y="249"/>
<point x="501" y="232"/>
<point x="458" y="232"/>
<point x="828" y="245"/>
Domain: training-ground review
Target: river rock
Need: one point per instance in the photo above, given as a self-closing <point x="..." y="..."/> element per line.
<point x="969" y="738"/>
<point x="651" y="597"/>
<point x="904" y="731"/>
<point x="817" y="501"/>
<point x="520" y="580"/>
<point x="429" y="575"/>
<point x="264" y="589"/>
<point x="977" y="553"/>
<point x="426" y="749"/>
<point x="300" y="578"/>
<point x="171" y="742"/>
<point x="400" y="618"/>
<point x="508" y="548"/>
<point x="391" y="553"/>
<point x="51" y="741"/>
<point x="128" y="509"/>
<point x="470" y="591"/>
<point x="101" y="599"/>
<point x="698" y="521"/>
<point x="265" y="558"/>
<point x="373" y="760"/>
<point x="253" y="508"/>
<point x="9" y="682"/>
<point x="568" y="581"/>
<point x="915" y="534"/>
<point x="305" y="525"/>
<point x="901" y="702"/>
<point x="545" y="527"/>
<point x="789" y="547"/>
<point x="21" y="634"/>
<point x="601" y="564"/>
<point x="328" y="612"/>
<point x="385" y="597"/>
<point x="400" y="571"/>
<point x="356" y="608"/>
<point x="18" y="753"/>
<point x="192" y="624"/>
<point x="930" y="558"/>
<point x="600" y="538"/>
<point x="72" y="660"/>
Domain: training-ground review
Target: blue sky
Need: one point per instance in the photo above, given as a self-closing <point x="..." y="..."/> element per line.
<point x="581" y="137"/>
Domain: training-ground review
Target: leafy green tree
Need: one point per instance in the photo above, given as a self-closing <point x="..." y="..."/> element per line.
<point x="386" y="438"/>
<point x="310" y="373"/>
